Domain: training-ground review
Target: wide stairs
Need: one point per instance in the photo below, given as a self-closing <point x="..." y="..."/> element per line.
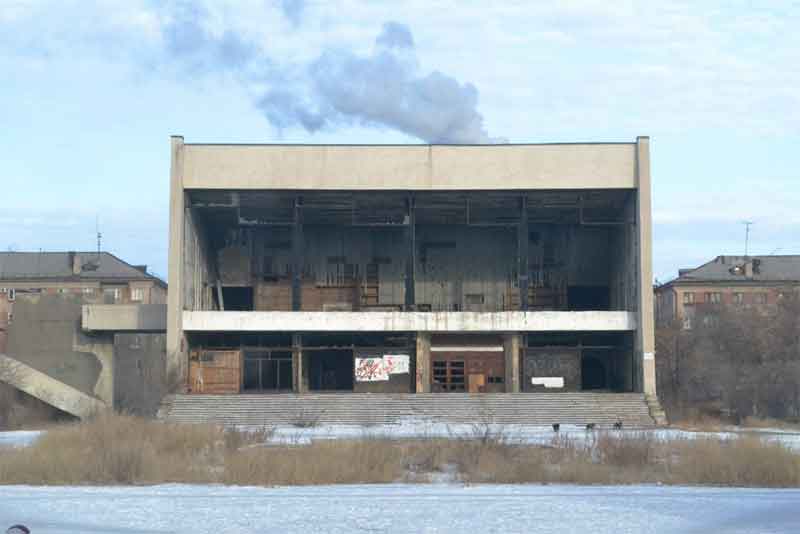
<point x="601" y="409"/>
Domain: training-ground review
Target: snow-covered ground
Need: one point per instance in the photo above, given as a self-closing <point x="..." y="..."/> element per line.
<point x="417" y="429"/>
<point x="399" y="508"/>
<point x="526" y="434"/>
<point x="18" y="438"/>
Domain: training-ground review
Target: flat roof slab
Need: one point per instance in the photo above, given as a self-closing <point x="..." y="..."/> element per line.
<point x="410" y="167"/>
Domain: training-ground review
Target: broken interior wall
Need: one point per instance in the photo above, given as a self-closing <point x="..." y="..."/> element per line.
<point x="397" y="382"/>
<point x="462" y="268"/>
<point x="556" y="362"/>
<point x="198" y="272"/>
<point x="46" y="335"/>
<point x="139" y="372"/>
<point x="623" y="246"/>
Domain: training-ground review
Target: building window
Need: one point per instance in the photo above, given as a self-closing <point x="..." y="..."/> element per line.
<point x="111" y="295"/>
<point x="88" y="290"/>
<point x="687" y="323"/>
<point x="716" y="298"/>
<point x="449" y="375"/>
<point x="10" y="317"/>
<point x="738" y="298"/>
<point x="137" y="294"/>
<point x="12" y="294"/>
<point x="761" y="298"/>
<point x="688" y="297"/>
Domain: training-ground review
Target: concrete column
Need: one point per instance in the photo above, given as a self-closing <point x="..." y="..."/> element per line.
<point x="511" y="347"/>
<point x="177" y="364"/>
<point x="423" y="362"/>
<point x="522" y="253"/>
<point x="645" y="332"/>
<point x="411" y="256"/>
<point x="299" y="383"/>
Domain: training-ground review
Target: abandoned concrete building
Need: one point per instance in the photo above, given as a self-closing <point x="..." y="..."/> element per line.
<point x="438" y="272"/>
<point x="82" y="331"/>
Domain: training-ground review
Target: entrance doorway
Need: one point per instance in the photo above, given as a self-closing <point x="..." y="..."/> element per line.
<point x="331" y="370"/>
<point x="267" y="371"/>
<point x="593" y="373"/>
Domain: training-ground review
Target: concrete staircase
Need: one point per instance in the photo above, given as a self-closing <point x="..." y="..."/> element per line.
<point x="602" y="409"/>
<point x="47" y="389"/>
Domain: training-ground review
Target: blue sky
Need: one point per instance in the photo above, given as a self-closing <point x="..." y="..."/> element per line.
<point x="91" y="91"/>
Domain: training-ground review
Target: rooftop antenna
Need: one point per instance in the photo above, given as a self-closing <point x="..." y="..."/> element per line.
<point x="99" y="235"/>
<point x="747" y="225"/>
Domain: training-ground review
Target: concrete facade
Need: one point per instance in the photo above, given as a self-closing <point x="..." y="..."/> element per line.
<point x="522" y="241"/>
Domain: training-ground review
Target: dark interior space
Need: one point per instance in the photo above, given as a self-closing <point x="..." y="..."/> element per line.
<point x="331" y="370"/>
<point x="588" y="298"/>
<point x="238" y="298"/>
<point x="593" y="373"/>
<point x="267" y="371"/>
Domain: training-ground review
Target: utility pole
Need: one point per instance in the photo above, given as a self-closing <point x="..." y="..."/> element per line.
<point x="747" y="225"/>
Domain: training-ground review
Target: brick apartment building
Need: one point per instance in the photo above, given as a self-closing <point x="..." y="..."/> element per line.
<point x="726" y="280"/>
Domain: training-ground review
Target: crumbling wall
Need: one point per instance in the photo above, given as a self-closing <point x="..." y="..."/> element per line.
<point x="139" y="372"/>
<point x="46" y="335"/>
<point x="465" y="268"/>
<point x="197" y="265"/>
<point x="552" y="363"/>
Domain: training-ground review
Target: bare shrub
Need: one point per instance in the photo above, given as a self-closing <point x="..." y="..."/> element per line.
<point x="121" y="449"/>
<point x="743" y="461"/>
<point x="302" y="418"/>
<point x="637" y="450"/>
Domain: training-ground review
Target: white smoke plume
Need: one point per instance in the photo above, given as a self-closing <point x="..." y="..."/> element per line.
<point x="385" y="89"/>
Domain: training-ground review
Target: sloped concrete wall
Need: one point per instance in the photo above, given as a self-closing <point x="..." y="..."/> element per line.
<point x="46" y="335"/>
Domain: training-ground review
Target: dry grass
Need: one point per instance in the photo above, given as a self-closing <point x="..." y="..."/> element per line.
<point x="119" y="449"/>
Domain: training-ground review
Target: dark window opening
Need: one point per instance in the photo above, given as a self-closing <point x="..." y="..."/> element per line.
<point x="238" y="298"/>
<point x="331" y="370"/>
<point x="588" y="298"/>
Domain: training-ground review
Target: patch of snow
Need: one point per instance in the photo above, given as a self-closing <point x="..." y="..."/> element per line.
<point x="19" y="438"/>
<point x="401" y="508"/>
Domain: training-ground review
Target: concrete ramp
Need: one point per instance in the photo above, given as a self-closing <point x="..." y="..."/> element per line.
<point x="47" y="389"/>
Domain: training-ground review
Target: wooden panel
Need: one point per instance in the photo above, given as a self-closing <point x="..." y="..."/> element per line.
<point x="215" y="371"/>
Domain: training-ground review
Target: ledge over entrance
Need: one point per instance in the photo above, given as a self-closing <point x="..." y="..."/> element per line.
<point x="455" y="322"/>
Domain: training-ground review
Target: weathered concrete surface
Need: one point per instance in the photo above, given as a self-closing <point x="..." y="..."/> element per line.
<point x="49" y="390"/>
<point x="409" y="167"/>
<point x="46" y="335"/>
<point x="232" y="321"/>
<point x="139" y="372"/>
<point x="124" y="317"/>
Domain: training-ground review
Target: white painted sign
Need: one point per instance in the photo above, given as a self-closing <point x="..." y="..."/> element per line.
<point x="548" y="381"/>
<point x="396" y="364"/>
<point x="370" y="370"/>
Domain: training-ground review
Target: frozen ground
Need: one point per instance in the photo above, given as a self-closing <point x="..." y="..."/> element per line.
<point x="513" y="433"/>
<point x="399" y="508"/>
<point x="18" y="438"/>
<point x="422" y="429"/>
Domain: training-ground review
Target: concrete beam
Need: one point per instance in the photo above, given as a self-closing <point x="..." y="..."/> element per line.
<point x="410" y="167"/>
<point x="455" y="322"/>
<point x="124" y="317"/>
<point x="49" y="390"/>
